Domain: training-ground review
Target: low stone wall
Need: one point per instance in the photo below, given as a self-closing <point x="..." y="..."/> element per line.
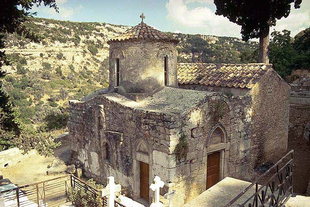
<point x="299" y="142"/>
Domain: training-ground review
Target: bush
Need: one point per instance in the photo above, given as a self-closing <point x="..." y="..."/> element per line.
<point x="71" y="67"/>
<point x="46" y="75"/>
<point x="60" y="56"/>
<point x="30" y="139"/>
<point x="92" y="49"/>
<point x="86" y="198"/>
<point x="53" y="104"/>
<point x="59" y="71"/>
<point x="56" y="120"/>
<point x="46" y="66"/>
<point x="20" y="70"/>
<point x="23" y="61"/>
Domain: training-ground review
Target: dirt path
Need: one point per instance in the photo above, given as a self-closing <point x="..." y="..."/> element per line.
<point x="29" y="168"/>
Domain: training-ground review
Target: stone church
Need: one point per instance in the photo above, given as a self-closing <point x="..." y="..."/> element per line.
<point x="191" y="124"/>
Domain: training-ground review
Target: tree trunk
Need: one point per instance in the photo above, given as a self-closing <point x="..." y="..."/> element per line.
<point x="264" y="47"/>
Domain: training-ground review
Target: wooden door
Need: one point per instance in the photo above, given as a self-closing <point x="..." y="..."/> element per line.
<point x="213" y="169"/>
<point x="144" y="181"/>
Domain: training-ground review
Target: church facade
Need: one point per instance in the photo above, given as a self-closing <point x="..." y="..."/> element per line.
<point x="191" y="124"/>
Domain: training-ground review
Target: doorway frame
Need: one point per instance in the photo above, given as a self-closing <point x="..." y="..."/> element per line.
<point x="222" y="147"/>
<point x="141" y="156"/>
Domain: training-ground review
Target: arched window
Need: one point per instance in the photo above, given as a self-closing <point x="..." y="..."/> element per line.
<point x="166" y="70"/>
<point x="117" y="74"/>
<point x="217" y="136"/>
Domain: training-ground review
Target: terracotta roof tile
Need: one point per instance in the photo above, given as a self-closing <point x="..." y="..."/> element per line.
<point x="222" y="75"/>
<point x="143" y="32"/>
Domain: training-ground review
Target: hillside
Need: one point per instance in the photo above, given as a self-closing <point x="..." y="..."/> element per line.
<point x="71" y="60"/>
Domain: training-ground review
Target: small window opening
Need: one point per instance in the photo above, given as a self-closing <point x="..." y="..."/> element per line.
<point x="107" y="152"/>
<point x="166" y="70"/>
<point x="117" y="71"/>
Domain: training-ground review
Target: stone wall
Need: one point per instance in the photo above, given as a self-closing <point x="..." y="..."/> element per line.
<point x="142" y="65"/>
<point x="270" y="117"/>
<point x="189" y="175"/>
<point x="298" y="133"/>
<point x="111" y="139"/>
<point x="136" y="135"/>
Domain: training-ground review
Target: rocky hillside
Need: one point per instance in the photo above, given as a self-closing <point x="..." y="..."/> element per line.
<point x="70" y="60"/>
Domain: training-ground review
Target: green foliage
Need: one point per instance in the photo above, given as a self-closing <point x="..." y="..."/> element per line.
<point x="282" y="53"/>
<point x="59" y="71"/>
<point x="217" y="110"/>
<point x="56" y="120"/>
<point x="254" y="24"/>
<point x="46" y="75"/>
<point x="214" y="50"/>
<point x="287" y="54"/>
<point x="249" y="56"/>
<point x="85" y="198"/>
<point x="30" y="139"/>
<point x="20" y="70"/>
<point x="92" y="49"/>
<point x="13" y="14"/>
<point x="60" y="56"/>
<point x="302" y="45"/>
<point x="181" y="149"/>
<point x="46" y="66"/>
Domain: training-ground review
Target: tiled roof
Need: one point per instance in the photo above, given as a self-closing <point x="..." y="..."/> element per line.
<point x="222" y="75"/>
<point x="143" y="32"/>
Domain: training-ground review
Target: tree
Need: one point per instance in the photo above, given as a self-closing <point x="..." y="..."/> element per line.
<point x="287" y="53"/>
<point x="196" y="45"/>
<point x="255" y="18"/>
<point x="302" y="46"/>
<point x="283" y="56"/>
<point x="13" y="14"/>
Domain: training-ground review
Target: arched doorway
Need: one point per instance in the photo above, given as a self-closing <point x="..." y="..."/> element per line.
<point x="142" y="157"/>
<point x="215" y="156"/>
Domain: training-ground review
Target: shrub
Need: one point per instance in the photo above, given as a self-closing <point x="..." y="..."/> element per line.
<point x="23" y="61"/>
<point x="181" y="149"/>
<point x="46" y="66"/>
<point x="59" y="71"/>
<point x="46" y="75"/>
<point x="60" y="56"/>
<point x="20" y="70"/>
<point x="71" y="67"/>
<point x="56" y="120"/>
<point x="92" y="49"/>
<point x="85" y="198"/>
<point x="53" y="104"/>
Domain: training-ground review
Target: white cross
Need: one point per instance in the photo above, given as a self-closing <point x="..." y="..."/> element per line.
<point x="2" y="202"/>
<point x="110" y="191"/>
<point x="156" y="186"/>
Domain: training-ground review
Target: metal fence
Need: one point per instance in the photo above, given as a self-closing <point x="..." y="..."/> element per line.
<point x="78" y="184"/>
<point x="52" y="192"/>
<point x="272" y="189"/>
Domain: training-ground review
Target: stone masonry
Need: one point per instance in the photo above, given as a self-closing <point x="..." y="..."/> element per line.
<point x="171" y="117"/>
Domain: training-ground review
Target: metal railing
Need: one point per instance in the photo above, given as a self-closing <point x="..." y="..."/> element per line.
<point x="272" y="189"/>
<point x="53" y="192"/>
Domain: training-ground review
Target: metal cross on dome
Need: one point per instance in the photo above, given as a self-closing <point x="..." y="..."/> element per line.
<point x="142" y="17"/>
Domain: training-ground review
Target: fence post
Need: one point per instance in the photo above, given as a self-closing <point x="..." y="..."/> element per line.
<point x="38" y="198"/>
<point x="158" y="183"/>
<point x="17" y="197"/>
<point x="110" y="191"/>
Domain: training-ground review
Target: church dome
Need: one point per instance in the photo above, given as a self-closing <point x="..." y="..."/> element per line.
<point x="143" y="31"/>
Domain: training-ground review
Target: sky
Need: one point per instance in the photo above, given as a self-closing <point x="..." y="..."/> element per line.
<point x="185" y="16"/>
